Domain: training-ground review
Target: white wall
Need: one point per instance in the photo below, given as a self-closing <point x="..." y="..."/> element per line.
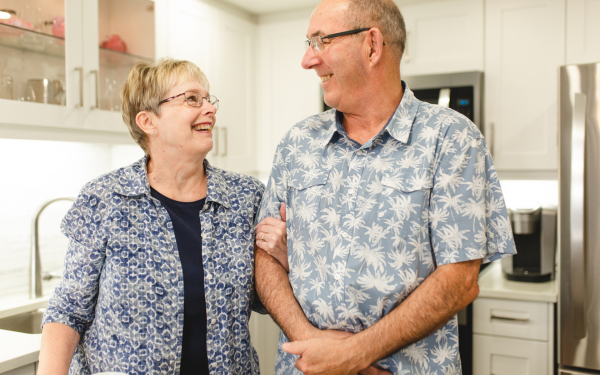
<point x="32" y="173"/>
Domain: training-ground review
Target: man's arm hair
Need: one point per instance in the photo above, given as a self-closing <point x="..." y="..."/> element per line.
<point x="449" y="289"/>
<point x="276" y="294"/>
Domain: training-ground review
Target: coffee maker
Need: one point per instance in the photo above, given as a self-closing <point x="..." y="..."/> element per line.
<point x="534" y="231"/>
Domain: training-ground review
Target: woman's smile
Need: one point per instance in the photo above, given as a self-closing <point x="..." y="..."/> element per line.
<point x="203" y="127"/>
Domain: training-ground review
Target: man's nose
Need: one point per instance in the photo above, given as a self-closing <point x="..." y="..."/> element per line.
<point x="310" y="59"/>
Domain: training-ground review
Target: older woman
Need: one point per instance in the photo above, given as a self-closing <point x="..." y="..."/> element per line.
<point x="159" y="271"/>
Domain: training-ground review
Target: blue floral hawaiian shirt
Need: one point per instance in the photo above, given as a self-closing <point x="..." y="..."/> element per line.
<point x="122" y="288"/>
<point x="368" y="224"/>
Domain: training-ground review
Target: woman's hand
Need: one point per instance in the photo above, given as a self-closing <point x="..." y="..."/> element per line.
<point x="271" y="236"/>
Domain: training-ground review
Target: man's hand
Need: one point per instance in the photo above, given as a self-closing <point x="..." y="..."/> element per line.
<point x="271" y="236"/>
<point x="329" y="355"/>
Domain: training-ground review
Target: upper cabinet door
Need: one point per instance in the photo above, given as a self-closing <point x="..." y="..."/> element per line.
<point x="524" y="48"/>
<point x="118" y="34"/>
<point x="41" y="66"/>
<point x="443" y="37"/>
<point x="583" y="29"/>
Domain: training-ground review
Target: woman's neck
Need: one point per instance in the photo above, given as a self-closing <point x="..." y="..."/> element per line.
<point x="181" y="179"/>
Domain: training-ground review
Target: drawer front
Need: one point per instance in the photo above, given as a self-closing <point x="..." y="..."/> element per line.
<point x="518" y="319"/>
<point x="501" y="356"/>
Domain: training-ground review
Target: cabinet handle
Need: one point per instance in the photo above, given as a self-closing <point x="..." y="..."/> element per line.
<point x="406" y="55"/>
<point x="80" y="70"/>
<point x="524" y="320"/>
<point x="216" y="141"/>
<point x="491" y="139"/>
<point x="224" y="141"/>
<point x="97" y="80"/>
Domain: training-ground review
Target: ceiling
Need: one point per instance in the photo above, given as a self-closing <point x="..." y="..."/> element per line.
<point x="270" y="6"/>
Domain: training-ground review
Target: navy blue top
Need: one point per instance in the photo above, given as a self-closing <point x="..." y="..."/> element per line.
<point x="185" y="217"/>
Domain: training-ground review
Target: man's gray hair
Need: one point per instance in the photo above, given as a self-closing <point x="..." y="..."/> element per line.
<point x="383" y="14"/>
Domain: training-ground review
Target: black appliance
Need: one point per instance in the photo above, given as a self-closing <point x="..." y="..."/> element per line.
<point x="534" y="231"/>
<point x="462" y="92"/>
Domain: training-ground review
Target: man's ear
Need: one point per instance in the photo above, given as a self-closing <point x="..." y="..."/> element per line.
<point x="375" y="45"/>
<point x="144" y="120"/>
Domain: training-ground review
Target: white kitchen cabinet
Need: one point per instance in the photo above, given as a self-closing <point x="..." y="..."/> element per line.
<point x="286" y="94"/>
<point x="443" y="37"/>
<point x="504" y="356"/>
<point x="513" y="337"/>
<point x="222" y="45"/>
<point x="525" y="45"/>
<point x="87" y="77"/>
<point x="583" y="29"/>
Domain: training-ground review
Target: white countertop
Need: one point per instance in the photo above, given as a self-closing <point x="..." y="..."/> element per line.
<point x="19" y="349"/>
<point x="493" y="284"/>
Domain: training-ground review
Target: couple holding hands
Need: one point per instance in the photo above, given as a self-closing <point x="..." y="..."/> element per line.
<point x="363" y="247"/>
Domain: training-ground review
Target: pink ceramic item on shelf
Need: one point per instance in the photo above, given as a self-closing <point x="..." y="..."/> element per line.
<point x="58" y="26"/>
<point x="16" y="21"/>
<point x="115" y="43"/>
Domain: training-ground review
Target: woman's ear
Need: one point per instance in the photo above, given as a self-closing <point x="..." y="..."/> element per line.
<point x="144" y="121"/>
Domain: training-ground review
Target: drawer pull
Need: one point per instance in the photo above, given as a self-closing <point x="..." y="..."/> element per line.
<point x="524" y="320"/>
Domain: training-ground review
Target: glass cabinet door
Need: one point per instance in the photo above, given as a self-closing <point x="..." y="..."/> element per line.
<point x="123" y="31"/>
<point x="126" y="36"/>
<point x="32" y="51"/>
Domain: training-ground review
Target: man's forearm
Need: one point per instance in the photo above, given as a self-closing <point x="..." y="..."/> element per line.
<point x="276" y="294"/>
<point x="444" y="293"/>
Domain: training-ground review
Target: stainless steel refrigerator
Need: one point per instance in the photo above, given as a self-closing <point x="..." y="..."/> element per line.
<point x="579" y="224"/>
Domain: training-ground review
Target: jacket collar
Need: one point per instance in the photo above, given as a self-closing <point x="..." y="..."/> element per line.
<point x="133" y="181"/>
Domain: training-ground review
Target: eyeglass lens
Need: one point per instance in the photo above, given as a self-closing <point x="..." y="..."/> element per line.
<point x="195" y="100"/>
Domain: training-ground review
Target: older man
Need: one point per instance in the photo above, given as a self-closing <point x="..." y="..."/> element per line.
<point x="392" y="205"/>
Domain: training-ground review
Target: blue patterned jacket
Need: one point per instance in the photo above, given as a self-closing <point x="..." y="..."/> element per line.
<point x="122" y="288"/>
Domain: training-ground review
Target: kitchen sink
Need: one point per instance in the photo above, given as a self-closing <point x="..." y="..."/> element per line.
<point x="25" y="323"/>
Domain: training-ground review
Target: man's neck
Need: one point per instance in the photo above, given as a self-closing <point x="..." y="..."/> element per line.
<point x="368" y="120"/>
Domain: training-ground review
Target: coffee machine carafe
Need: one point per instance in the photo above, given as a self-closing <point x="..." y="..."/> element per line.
<point x="534" y="231"/>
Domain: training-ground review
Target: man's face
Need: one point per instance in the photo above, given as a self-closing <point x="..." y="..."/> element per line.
<point x="339" y="65"/>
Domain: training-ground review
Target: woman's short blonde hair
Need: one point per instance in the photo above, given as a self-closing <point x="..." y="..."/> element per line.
<point x="148" y="83"/>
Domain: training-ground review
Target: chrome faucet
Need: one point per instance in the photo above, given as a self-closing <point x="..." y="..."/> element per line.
<point x="35" y="269"/>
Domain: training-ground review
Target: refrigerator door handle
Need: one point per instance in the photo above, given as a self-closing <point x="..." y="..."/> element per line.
<point x="577" y="218"/>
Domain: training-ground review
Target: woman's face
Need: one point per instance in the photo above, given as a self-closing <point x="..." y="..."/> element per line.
<point x="181" y="127"/>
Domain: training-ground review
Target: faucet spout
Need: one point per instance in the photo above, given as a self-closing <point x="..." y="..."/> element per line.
<point x="35" y="267"/>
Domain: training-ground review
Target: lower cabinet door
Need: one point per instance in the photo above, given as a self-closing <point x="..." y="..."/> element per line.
<point x="502" y="356"/>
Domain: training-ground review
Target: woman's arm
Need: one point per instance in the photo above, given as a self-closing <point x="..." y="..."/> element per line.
<point x="59" y="342"/>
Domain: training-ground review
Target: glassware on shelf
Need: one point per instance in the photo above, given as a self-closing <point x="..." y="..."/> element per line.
<point x="47" y="91"/>
<point x="6" y="82"/>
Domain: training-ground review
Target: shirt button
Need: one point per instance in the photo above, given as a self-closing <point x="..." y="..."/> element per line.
<point x="213" y="321"/>
<point x="345" y="235"/>
<point x="336" y="276"/>
<point x="351" y="191"/>
<point x="209" y="276"/>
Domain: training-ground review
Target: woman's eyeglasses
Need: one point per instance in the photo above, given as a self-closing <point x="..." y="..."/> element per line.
<point x="194" y="99"/>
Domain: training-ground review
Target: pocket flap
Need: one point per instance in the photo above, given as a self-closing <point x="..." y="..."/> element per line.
<point x="305" y="179"/>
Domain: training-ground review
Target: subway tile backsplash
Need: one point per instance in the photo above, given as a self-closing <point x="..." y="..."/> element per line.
<point x="32" y="173"/>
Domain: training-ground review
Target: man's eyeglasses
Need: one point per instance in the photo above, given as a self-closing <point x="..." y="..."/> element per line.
<point x="194" y="99"/>
<point x="316" y="42"/>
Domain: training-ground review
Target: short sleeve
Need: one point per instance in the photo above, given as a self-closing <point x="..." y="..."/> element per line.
<point x="467" y="217"/>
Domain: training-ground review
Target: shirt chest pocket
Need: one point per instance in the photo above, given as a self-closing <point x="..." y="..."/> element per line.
<point x="307" y="195"/>
<point x="407" y="193"/>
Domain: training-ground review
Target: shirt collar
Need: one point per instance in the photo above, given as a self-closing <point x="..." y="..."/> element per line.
<point x="399" y="125"/>
<point x="133" y="181"/>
